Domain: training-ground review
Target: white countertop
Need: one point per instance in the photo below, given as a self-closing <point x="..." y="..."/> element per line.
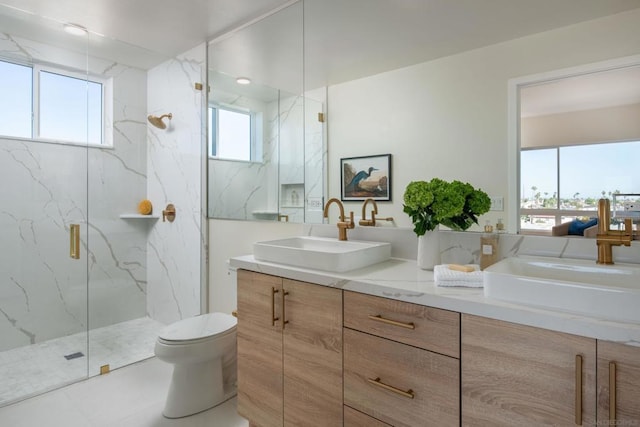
<point x="402" y="280"/>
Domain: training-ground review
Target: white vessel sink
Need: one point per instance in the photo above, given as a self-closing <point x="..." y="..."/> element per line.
<point x="322" y="253"/>
<point x="572" y="285"/>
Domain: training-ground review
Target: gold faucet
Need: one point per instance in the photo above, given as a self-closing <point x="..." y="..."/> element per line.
<point x="343" y="224"/>
<point x="607" y="238"/>
<point x="369" y="222"/>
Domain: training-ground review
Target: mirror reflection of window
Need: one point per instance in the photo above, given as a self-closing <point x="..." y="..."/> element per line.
<point x="579" y="141"/>
<point x="231" y="135"/>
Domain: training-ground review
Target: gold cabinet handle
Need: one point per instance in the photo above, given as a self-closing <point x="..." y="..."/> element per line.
<point x="74" y="241"/>
<point x="379" y="318"/>
<point x="376" y="381"/>
<point x="282" y="320"/>
<point x="612" y="392"/>
<point x="274" y="291"/>
<point x="578" y="404"/>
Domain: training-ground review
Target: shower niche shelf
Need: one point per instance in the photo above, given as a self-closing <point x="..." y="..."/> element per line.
<point x="138" y="216"/>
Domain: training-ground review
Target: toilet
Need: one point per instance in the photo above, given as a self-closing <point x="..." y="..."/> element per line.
<point x="203" y="352"/>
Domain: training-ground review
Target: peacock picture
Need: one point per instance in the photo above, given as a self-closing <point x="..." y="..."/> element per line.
<point x="364" y="177"/>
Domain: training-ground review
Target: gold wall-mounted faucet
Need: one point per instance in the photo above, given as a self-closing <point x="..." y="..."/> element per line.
<point x="369" y="222"/>
<point x="343" y="224"/>
<point x="607" y="238"/>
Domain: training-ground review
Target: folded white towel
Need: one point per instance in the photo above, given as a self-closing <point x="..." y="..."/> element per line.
<point x="444" y="276"/>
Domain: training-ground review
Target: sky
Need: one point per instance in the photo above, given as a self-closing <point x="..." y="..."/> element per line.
<point x="587" y="170"/>
<point x="68" y="108"/>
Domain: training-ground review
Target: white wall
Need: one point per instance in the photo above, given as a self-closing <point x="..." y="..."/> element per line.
<point x="229" y="238"/>
<point x="447" y="118"/>
<point x="174" y="249"/>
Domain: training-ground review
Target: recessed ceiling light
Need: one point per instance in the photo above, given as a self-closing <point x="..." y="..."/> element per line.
<point x="243" y="80"/>
<point x="75" y="29"/>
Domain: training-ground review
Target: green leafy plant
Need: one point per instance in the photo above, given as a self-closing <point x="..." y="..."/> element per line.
<point x="456" y="205"/>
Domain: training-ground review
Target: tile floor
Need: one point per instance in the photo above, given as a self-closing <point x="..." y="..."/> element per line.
<point x="34" y="369"/>
<point x="132" y="396"/>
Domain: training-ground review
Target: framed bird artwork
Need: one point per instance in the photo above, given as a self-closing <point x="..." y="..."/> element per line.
<point x="366" y="177"/>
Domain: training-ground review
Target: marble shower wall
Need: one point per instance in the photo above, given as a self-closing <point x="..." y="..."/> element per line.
<point x="174" y="249"/>
<point x="46" y="187"/>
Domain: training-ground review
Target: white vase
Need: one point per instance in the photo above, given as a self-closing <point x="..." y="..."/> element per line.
<point x="429" y="250"/>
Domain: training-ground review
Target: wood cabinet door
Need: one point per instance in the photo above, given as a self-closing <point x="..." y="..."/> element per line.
<point x="618" y="365"/>
<point x="260" y="385"/>
<point x="312" y="355"/>
<point x="514" y="375"/>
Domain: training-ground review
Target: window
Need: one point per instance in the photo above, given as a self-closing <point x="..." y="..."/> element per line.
<point x="49" y="104"/>
<point x="16" y="100"/>
<point x="561" y="183"/>
<point x="232" y="134"/>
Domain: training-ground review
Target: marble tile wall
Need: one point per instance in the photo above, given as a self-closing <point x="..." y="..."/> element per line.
<point x="46" y="187"/>
<point x="175" y="249"/>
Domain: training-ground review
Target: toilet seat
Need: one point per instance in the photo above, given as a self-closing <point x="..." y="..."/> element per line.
<point x="197" y="329"/>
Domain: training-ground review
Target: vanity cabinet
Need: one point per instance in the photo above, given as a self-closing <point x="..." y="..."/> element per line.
<point x="520" y="375"/>
<point x="618" y="384"/>
<point x="289" y="352"/>
<point x="400" y="363"/>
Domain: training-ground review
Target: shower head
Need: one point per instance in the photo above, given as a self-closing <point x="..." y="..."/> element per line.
<point x="157" y="121"/>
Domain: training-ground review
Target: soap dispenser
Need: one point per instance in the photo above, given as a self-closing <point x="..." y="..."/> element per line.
<point x="488" y="247"/>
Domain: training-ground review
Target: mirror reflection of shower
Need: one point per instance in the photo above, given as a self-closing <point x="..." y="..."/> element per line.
<point x="157" y="121"/>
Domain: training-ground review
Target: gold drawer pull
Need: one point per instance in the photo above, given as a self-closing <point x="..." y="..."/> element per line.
<point x="377" y="382"/>
<point x="283" y="320"/>
<point x="274" y="291"/>
<point x="578" y="391"/>
<point x="612" y="391"/>
<point x="379" y="318"/>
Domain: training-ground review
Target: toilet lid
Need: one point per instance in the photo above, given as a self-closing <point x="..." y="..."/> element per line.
<point x="203" y="326"/>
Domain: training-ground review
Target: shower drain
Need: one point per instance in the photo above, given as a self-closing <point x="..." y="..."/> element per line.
<point x="74" y="355"/>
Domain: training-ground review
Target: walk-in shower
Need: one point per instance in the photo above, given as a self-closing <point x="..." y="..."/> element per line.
<point x="73" y="263"/>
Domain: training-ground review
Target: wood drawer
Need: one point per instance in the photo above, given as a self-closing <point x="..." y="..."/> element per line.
<point x="353" y="418"/>
<point x="433" y="329"/>
<point x="432" y="379"/>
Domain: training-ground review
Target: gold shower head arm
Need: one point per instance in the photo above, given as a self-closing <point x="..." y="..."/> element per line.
<point x="157" y="121"/>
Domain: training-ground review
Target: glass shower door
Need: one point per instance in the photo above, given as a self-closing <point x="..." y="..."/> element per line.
<point x="43" y="216"/>
<point x="43" y="267"/>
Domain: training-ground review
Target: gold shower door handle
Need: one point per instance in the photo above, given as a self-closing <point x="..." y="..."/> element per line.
<point x="74" y="241"/>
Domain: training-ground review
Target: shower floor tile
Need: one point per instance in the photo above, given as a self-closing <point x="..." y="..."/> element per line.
<point x="37" y="368"/>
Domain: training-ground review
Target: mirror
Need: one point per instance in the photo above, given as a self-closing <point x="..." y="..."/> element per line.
<point x="579" y="141"/>
<point x="265" y="142"/>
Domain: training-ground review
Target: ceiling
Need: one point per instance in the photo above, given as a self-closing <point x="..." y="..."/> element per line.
<point x="344" y="39"/>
